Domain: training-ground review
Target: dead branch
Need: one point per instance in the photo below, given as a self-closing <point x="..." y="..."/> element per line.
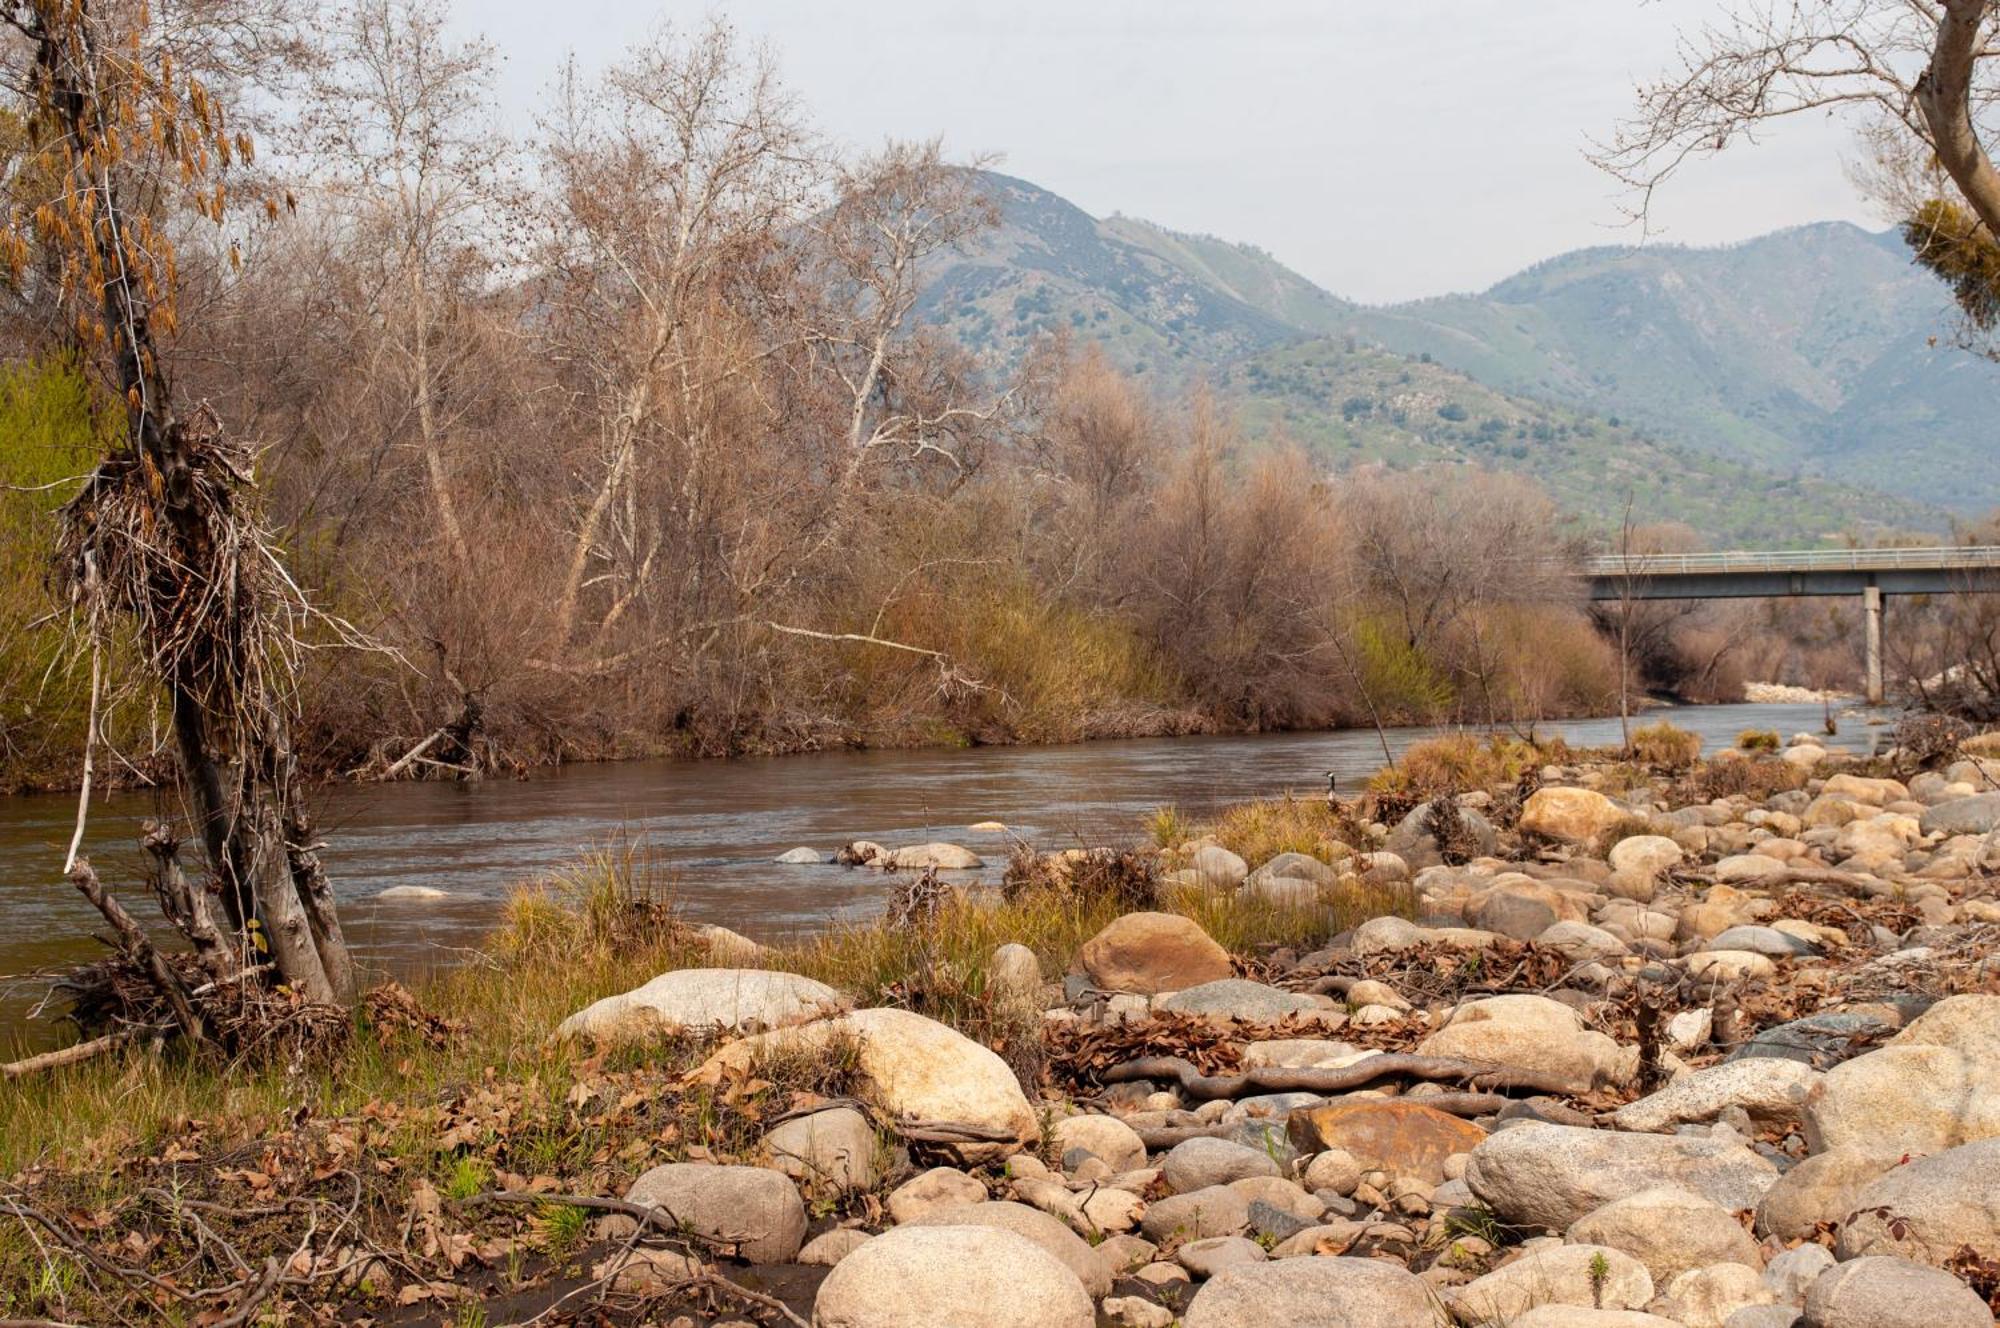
<point x="55" y="1060"/>
<point x="140" y="948"/>
<point x="1207" y="1088"/>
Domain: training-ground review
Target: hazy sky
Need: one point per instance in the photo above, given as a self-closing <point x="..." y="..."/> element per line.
<point x="1386" y="149"/>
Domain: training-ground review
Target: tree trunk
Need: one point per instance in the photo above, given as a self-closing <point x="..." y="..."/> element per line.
<point x="1944" y="94"/>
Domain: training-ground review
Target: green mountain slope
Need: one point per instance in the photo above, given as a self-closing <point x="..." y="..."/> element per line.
<point x="1781" y="389"/>
<point x="1362" y="405"/>
<point x="1810" y="348"/>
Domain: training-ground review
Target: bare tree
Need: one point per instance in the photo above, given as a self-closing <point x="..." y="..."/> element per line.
<point x="399" y="135"/>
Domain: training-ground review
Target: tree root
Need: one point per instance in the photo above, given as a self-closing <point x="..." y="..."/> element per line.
<point x="1207" y="1088"/>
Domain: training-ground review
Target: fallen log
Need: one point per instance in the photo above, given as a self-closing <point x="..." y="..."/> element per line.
<point x="1480" y="1075"/>
<point x="55" y="1060"/>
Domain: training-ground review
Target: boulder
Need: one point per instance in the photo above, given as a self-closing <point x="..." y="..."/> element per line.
<point x="1872" y="792"/>
<point x="1574" y="1316"/>
<point x="1548" y="1176"/>
<point x="1976" y="815"/>
<point x="1218" y="867"/>
<point x="1707" y="1297"/>
<point x="830" y="1247"/>
<point x="1791" y="1274"/>
<point x="1913" y="1097"/>
<point x="1323" y="1292"/>
<point x="732" y="1000"/>
<point x="801" y="857"/>
<point x="1109" y="1138"/>
<point x="1571" y="815"/>
<point x="944" y="857"/>
<point x="1014" y="976"/>
<point x="1823" y="1188"/>
<point x="1236" y="998"/>
<point x="990" y="1277"/>
<point x="1538" y="1034"/>
<point x="1587" y="1276"/>
<point x="1760" y="940"/>
<point x="1820" y="1040"/>
<point x="1669" y="1231"/>
<point x="927" y="1191"/>
<point x="1639" y="861"/>
<point x="1148" y="953"/>
<point x="754" y="1210"/>
<point x="1217" y="1211"/>
<point x="1413" y="842"/>
<point x="1055" y="1238"/>
<point x="1768" y="1089"/>
<point x="834" y="1150"/>
<point x="1397" y="1135"/>
<point x="1967" y="1023"/>
<point x="1929" y="1209"/>
<point x="1206" y="1258"/>
<point x="1198" y="1164"/>
<point x="909" y="1066"/>
<point x="1887" y="1292"/>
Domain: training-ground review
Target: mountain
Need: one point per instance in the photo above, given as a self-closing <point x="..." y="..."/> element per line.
<point x="1783" y="389"/>
<point x="1821" y="349"/>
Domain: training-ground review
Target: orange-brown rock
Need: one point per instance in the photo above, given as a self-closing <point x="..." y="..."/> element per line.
<point x="1148" y="953"/>
<point x="1403" y="1138"/>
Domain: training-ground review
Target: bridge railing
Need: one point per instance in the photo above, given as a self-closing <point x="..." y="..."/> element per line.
<point x="1941" y="558"/>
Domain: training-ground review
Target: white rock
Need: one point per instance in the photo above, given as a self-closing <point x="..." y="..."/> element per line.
<point x="990" y="1278"/>
<point x="733" y="1000"/>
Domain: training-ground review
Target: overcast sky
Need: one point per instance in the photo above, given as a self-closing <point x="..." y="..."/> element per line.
<point x="1385" y="148"/>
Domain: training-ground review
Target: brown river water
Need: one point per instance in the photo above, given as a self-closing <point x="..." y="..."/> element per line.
<point x="715" y="828"/>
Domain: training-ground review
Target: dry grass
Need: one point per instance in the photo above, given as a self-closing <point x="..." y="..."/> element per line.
<point x="1757" y="740"/>
<point x="601" y="927"/>
<point x="1260" y="831"/>
<point x="1459" y="763"/>
<point x="1665" y="746"/>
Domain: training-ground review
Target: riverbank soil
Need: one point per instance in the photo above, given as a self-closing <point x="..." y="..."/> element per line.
<point x="1602" y="1044"/>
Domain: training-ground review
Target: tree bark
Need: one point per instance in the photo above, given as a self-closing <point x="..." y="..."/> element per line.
<point x="1944" y="94"/>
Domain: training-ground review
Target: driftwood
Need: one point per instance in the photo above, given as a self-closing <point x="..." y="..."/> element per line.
<point x="1207" y="1088"/>
<point x="55" y="1060"/>
<point x="141" y="948"/>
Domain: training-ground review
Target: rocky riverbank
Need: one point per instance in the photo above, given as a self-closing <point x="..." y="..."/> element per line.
<point x="1716" y="1047"/>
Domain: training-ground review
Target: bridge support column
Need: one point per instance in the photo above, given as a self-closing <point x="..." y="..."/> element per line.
<point x="1871" y="612"/>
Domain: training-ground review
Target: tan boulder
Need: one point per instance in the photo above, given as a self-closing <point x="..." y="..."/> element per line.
<point x="1538" y="1034"/>
<point x="1401" y="1137"/>
<point x="910" y="1066"/>
<point x="1148" y="953"/>
<point x="1874" y="792"/>
<point x="1571" y="815"/>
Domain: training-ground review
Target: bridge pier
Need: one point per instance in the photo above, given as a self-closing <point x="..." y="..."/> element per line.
<point x="1871" y="613"/>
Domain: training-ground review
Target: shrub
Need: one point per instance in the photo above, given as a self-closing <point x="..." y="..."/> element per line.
<point x="1666" y="746"/>
<point x="1457" y="763"/>
<point x="1757" y="740"/>
<point x="1755" y="779"/>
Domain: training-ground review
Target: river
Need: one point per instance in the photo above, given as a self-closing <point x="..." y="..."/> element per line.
<point x="716" y="826"/>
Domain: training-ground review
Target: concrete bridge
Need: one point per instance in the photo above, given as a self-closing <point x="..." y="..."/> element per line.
<point x="1869" y="573"/>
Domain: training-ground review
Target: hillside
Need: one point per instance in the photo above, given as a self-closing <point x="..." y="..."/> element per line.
<point x="1368" y="405"/>
<point x="1808" y="349"/>
<point x="1780" y="389"/>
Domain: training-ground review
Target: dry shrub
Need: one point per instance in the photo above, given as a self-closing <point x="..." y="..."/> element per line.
<point x="1665" y="746"/>
<point x="1123" y="877"/>
<point x="1755" y="779"/>
<point x="1758" y="740"/>
<point x="1457" y="763"/>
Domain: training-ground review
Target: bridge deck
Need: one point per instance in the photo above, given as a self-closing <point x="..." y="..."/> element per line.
<point x="1744" y="574"/>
